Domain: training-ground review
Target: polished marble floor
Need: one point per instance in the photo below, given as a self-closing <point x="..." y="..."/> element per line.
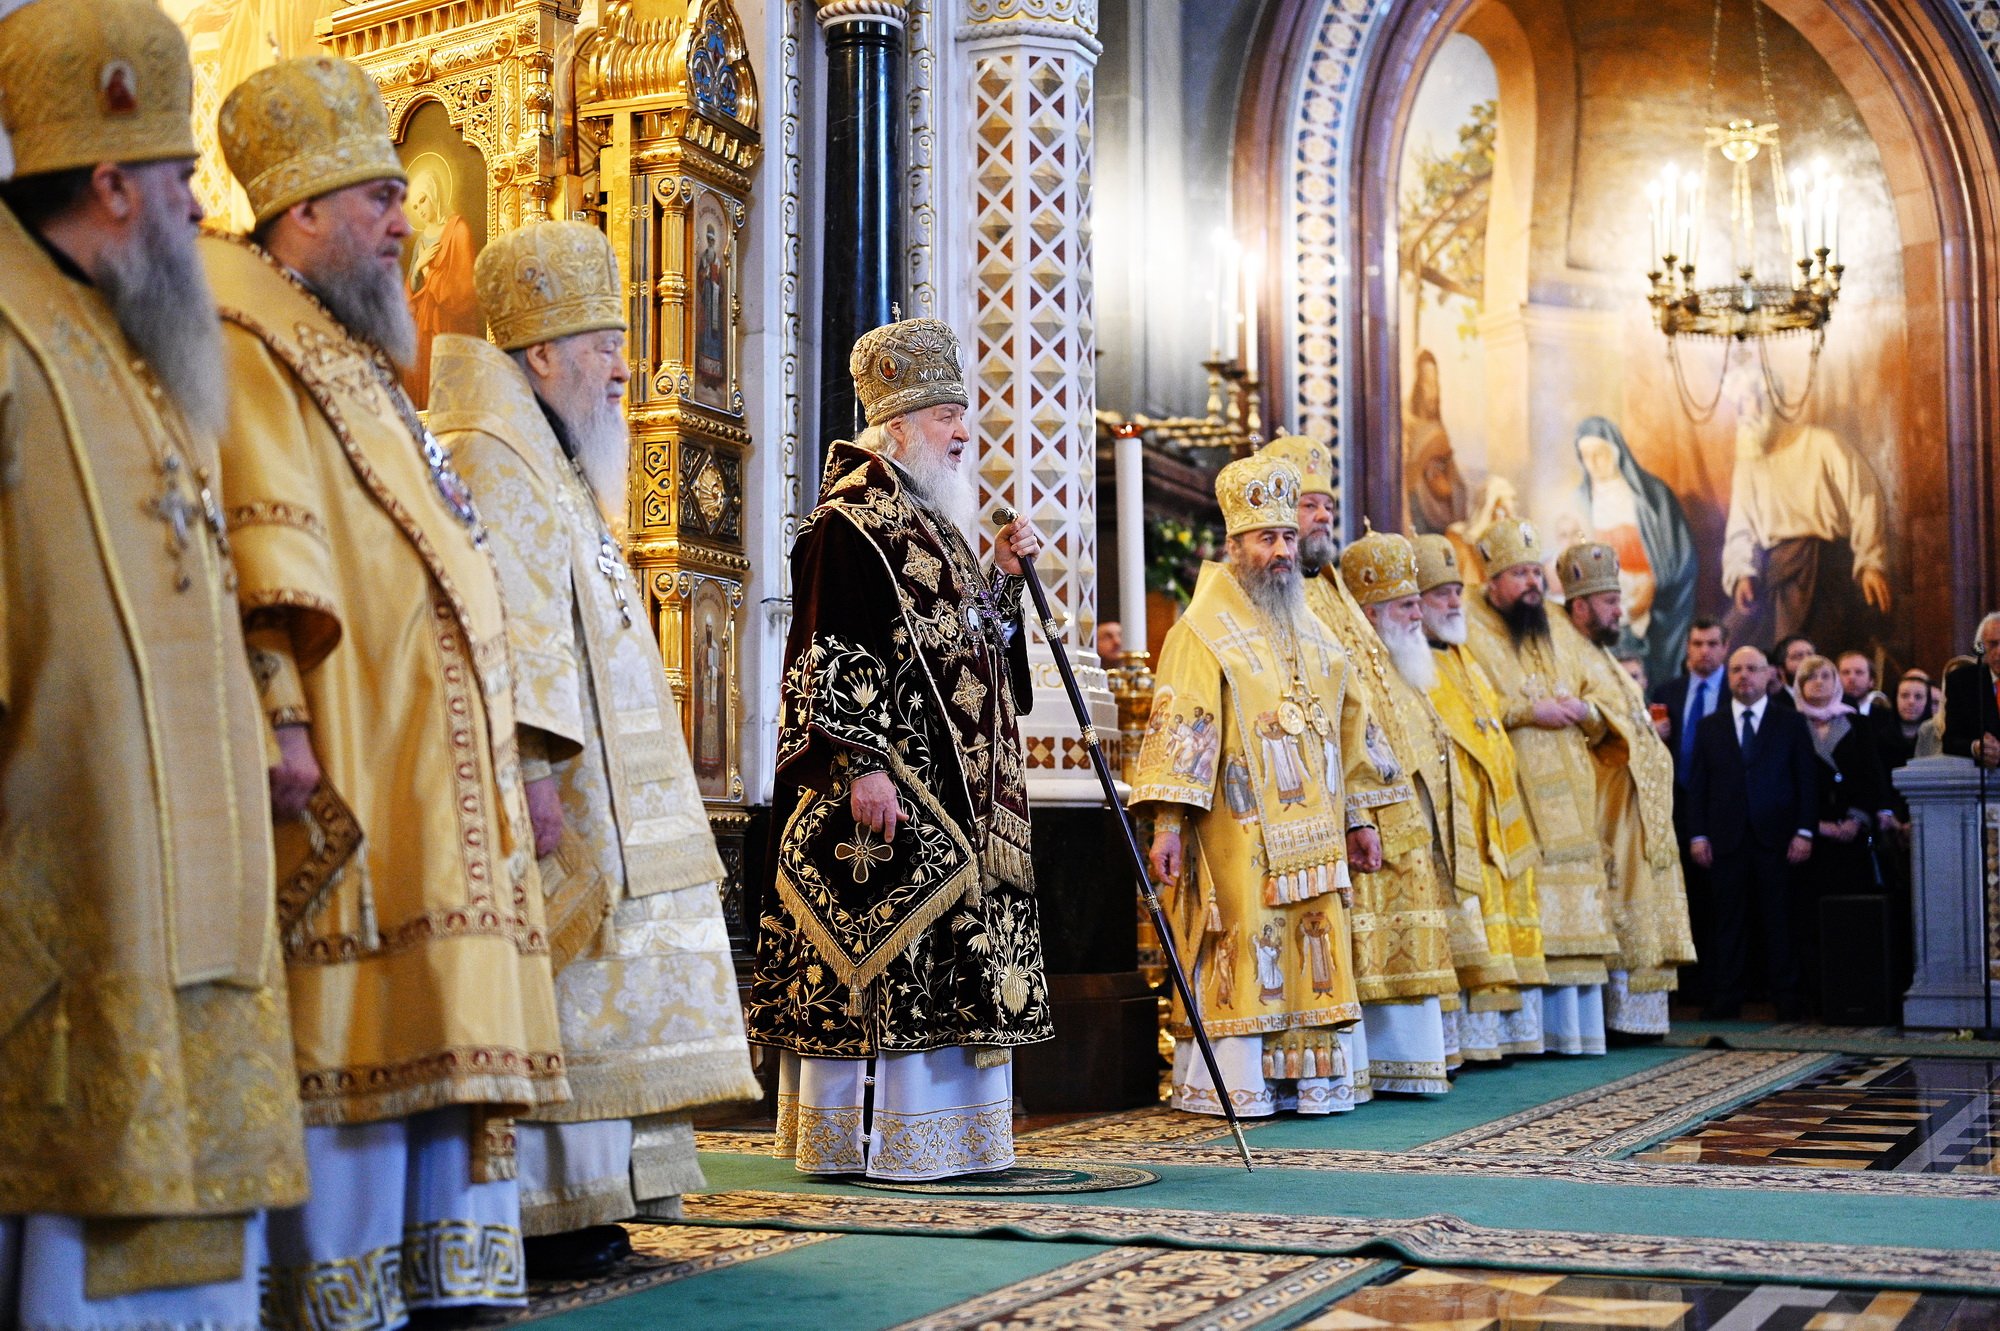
<point x="1911" y="1115"/>
<point x="1426" y="1299"/>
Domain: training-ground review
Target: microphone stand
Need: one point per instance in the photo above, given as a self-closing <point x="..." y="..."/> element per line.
<point x="1003" y="516"/>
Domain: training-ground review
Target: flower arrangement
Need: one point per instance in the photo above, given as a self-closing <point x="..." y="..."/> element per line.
<point x="1175" y="552"/>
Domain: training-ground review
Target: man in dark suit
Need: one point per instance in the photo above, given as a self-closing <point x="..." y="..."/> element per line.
<point x="1688" y="698"/>
<point x="1752" y="807"/>
<point x="1691" y="695"/>
<point x="1972" y="701"/>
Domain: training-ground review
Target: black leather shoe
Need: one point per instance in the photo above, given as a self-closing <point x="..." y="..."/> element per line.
<point x="580" y="1254"/>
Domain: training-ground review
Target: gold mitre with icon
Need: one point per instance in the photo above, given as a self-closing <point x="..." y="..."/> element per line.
<point x="1587" y="568"/>
<point x="1257" y="492"/>
<point x="548" y="280"/>
<point x="1381" y="566"/>
<point x="1509" y="543"/>
<point x="1309" y="457"/>
<point x="107" y="81"/>
<point x="907" y="366"/>
<point x="303" y="128"/>
<point x="1437" y="562"/>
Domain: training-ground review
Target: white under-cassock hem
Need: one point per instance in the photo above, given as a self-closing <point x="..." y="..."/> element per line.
<point x="394" y="1223"/>
<point x="1634" y="1014"/>
<point x="935" y="1114"/>
<point x="1406" y="1046"/>
<point x="41" y="1285"/>
<point x="574" y="1175"/>
<point x="1573" y="1018"/>
<point x="1254" y="1095"/>
<point x="1521" y="1030"/>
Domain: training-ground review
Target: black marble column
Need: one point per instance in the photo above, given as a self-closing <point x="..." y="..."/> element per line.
<point x="861" y="255"/>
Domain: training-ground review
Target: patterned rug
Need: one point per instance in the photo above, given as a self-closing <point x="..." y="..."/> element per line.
<point x="1161" y="1289"/>
<point x="1806" y="1035"/>
<point x="661" y="1255"/>
<point x="1025" y="1178"/>
<point x="1430" y="1239"/>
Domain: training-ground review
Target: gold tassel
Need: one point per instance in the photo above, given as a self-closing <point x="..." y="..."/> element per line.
<point x="56" y="1089"/>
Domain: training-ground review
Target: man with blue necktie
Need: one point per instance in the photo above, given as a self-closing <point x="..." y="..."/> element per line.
<point x="1687" y="699"/>
<point x="1752" y="806"/>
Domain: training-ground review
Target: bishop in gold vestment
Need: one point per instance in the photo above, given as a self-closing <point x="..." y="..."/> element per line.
<point x="1549" y="715"/>
<point x="1635" y="805"/>
<point x="1488" y="847"/>
<point x="1255" y="703"/>
<point x="416" y="945"/>
<point x="148" y="1113"/>
<point x="1402" y="920"/>
<point x="645" y="989"/>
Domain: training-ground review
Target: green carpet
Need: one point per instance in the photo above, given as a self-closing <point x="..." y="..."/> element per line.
<point x="1871" y="1040"/>
<point x="859" y="1282"/>
<point x="1478" y="1097"/>
<point x="1505" y="1203"/>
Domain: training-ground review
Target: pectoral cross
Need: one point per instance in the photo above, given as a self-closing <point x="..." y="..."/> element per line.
<point x="611" y="563"/>
<point x="179" y="512"/>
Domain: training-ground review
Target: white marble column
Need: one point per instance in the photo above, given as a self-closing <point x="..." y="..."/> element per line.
<point x="1032" y="361"/>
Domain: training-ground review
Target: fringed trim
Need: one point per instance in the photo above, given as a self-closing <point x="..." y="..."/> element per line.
<point x="1006" y="862"/>
<point x="601" y="1202"/>
<point x="1577" y="970"/>
<point x="665" y="1162"/>
<point x="1504" y="999"/>
<point x="334" y="1111"/>
<point x="1319" y="1055"/>
<point x="687" y="861"/>
<point x="1303" y="884"/>
<point x="658" y="1082"/>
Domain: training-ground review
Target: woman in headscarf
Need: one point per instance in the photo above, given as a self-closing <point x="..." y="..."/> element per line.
<point x="1635" y="513"/>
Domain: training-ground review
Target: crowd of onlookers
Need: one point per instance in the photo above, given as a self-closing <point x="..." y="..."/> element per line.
<point x="1784" y="801"/>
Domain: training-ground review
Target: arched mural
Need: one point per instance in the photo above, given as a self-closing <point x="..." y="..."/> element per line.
<point x="1520" y="367"/>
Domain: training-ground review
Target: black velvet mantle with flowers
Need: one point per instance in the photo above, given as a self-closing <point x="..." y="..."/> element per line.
<point x="903" y="658"/>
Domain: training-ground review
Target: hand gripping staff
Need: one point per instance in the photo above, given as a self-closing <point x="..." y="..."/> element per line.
<point x="1003" y="515"/>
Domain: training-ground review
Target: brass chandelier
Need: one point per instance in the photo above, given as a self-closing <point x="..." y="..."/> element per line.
<point x="1752" y="308"/>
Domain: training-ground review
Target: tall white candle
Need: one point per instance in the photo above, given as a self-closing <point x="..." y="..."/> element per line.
<point x="1253" y="268"/>
<point x="1128" y="461"/>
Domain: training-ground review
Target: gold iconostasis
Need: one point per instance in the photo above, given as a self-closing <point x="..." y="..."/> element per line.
<point x="644" y="120"/>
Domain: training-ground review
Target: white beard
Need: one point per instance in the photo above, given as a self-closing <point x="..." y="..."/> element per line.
<point x="952" y="491"/>
<point x="1411" y="652"/>
<point x="1447" y="626"/>
<point x="603" y="451"/>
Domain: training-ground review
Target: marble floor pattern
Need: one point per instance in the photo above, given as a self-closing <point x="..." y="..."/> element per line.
<point x="1429" y="1299"/>
<point x="1907" y="1115"/>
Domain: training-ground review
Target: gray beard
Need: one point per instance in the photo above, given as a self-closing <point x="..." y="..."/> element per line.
<point x="603" y="443"/>
<point x="368" y="300"/>
<point x="159" y="294"/>
<point x="1411" y="652"/>
<point x="1317" y="552"/>
<point x="1447" y="626"/>
<point x="1282" y="596"/>
<point x="951" y="492"/>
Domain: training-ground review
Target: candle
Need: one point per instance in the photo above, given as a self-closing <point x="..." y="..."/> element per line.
<point x="1652" y="223"/>
<point x="1225" y="301"/>
<point x="1252" y="272"/>
<point x="1127" y="457"/>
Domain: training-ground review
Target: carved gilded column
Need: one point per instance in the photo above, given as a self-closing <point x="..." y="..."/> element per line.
<point x="665" y="90"/>
<point x="1031" y="64"/>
